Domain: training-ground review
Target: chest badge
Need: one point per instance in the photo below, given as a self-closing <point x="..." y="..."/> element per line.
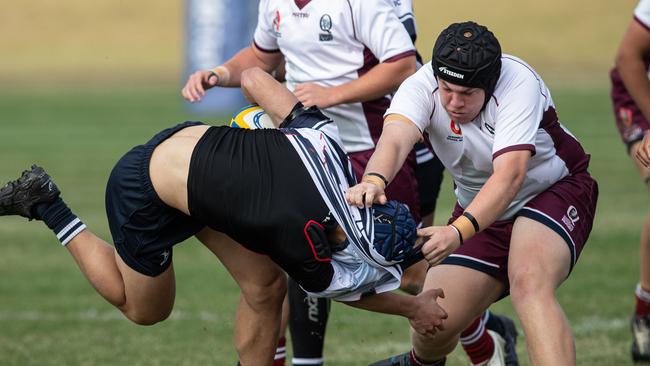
<point x="326" y="27"/>
<point x="276" y="24"/>
<point x="457" y="133"/>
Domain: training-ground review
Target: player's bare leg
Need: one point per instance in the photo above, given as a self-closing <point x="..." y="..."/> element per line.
<point x="413" y="278"/>
<point x="533" y="282"/>
<point x="143" y="299"/>
<point x="641" y="316"/>
<point x="467" y="294"/>
<point x="263" y="288"/>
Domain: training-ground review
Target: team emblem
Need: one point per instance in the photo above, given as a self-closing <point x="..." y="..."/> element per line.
<point x="489" y="128"/>
<point x="455" y="128"/>
<point x="457" y="132"/>
<point x="276" y="23"/>
<point x="326" y="27"/>
<point x="571" y="217"/>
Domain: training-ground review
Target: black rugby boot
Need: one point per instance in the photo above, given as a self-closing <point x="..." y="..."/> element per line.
<point x="19" y="196"/>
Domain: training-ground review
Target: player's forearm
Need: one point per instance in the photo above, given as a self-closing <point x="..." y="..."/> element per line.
<point x="243" y="60"/>
<point x="500" y="189"/>
<point x="394" y="145"/>
<point x="387" y="303"/>
<point x="633" y="71"/>
<point x="379" y="81"/>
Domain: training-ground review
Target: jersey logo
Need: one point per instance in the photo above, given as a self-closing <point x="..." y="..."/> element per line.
<point x="625" y="114"/>
<point x="489" y="128"/>
<point x="457" y="132"/>
<point x="276" y="24"/>
<point x="325" y="26"/>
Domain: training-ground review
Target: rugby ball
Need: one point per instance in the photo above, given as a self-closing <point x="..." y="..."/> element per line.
<point x="251" y="117"/>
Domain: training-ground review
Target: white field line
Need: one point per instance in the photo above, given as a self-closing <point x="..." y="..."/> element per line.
<point x="585" y="325"/>
<point x="101" y="316"/>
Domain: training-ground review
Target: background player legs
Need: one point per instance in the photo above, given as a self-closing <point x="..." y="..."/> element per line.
<point x="533" y="282"/>
<point x="641" y="316"/>
<point x="307" y="322"/>
<point x="263" y="286"/>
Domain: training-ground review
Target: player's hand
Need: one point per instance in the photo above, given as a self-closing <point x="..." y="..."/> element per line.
<point x="310" y="94"/>
<point x="643" y="152"/>
<point x="197" y="84"/>
<point x="365" y="194"/>
<point x="440" y="242"/>
<point x="427" y="317"/>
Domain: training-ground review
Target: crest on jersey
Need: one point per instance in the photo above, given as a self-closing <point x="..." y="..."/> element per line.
<point x="457" y="132"/>
<point x="276" y="24"/>
<point x="326" y="27"/>
<point x="625" y="114"/>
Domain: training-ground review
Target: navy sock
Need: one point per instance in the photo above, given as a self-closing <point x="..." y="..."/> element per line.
<point x="60" y="219"/>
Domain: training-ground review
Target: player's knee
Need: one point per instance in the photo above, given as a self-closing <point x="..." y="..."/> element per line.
<point x="443" y="343"/>
<point x="527" y="284"/>
<point x="147" y="317"/>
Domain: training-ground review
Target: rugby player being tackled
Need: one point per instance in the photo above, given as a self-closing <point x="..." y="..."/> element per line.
<point x="278" y="192"/>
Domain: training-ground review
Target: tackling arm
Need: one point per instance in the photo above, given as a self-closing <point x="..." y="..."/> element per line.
<point x="397" y="139"/>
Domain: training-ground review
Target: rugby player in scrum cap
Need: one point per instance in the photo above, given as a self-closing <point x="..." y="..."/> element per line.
<point x="526" y="201"/>
<point x="278" y="192"/>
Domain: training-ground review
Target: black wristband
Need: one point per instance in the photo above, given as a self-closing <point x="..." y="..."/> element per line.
<point x="472" y="220"/>
<point x="380" y="177"/>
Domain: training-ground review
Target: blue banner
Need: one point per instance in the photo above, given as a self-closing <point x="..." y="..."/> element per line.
<point x="215" y="31"/>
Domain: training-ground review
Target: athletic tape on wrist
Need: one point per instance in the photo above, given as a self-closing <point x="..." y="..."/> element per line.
<point x="222" y="73"/>
<point x="374" y="180"/>
<point x="464" y="227"/>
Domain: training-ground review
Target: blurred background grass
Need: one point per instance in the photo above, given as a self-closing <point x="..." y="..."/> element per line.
<point x="81" y="82"/>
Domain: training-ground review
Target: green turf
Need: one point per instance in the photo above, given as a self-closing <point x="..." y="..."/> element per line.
<point x="49" y="315"/>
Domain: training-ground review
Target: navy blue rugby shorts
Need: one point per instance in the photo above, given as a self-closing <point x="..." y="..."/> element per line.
<point x="144" y="229"/>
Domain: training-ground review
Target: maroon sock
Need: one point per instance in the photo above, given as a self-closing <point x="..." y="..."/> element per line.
<point x="476" y="342"/>
<point x="280" y="352"/>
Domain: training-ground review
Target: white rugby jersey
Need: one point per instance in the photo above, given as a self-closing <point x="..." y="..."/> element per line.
<point x="642" y="13"/>
<point x="358" y="269"/>
<point x="331" y="42"/>
<point x="519" y="116"/>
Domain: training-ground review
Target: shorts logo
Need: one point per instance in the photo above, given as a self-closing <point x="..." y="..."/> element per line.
<point x="325" y="26"/>
<point x="276" y="24"/>
<point x="571" y="217"/>
<point x="165" y="256"/>
<point x="457" y="132"/>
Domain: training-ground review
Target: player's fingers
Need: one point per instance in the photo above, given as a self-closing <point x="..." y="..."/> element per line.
<point x="369" y="198"/>
<point x="382" y="199"/>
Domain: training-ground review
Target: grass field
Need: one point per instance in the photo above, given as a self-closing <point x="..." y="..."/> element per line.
<point x="49" y="315"/>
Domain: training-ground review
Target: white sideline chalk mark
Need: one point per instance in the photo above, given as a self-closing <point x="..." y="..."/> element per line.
<point x="101" y="316"/>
